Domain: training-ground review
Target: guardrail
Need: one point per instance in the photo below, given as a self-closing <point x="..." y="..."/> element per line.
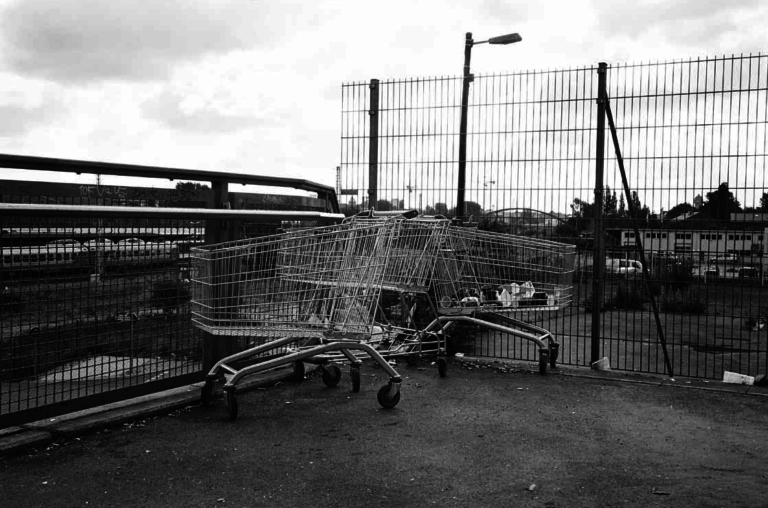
<point x="104" y="324"/>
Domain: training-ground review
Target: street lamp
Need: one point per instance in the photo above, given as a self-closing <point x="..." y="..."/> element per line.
<point x="468" y="77"/>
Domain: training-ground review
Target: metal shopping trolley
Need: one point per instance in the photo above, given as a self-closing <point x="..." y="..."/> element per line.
<point x="306" y="295"/>
<point x="487" y="278"/>
<point x="455" y="273"/>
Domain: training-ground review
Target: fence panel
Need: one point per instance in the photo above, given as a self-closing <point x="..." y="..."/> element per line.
<point x="92" y="310"/>
<point x="693" y="135"/>
<point x="94" y="279"/>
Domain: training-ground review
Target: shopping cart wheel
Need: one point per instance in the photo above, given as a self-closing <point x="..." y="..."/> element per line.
<point x="543" y="361"/>
<point x="554" y="352"/>
<point x="298" y="371"/>
<point x="354" y="374"/>
<point x="331" y="375"/>
<point x="208" y="393"/>
<point x="384" y="399"/>
<point x="442" y="367"/>
<point x="232" y="406"/>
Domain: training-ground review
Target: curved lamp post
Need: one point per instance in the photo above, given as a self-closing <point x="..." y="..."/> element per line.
<point x="468" y="77"/>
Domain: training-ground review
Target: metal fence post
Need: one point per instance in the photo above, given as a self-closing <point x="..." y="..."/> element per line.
<point x="373" y="144"/>
<point x="598" y="263"/>
<point x="467" y="78"/>
<point x="216" y="231"/>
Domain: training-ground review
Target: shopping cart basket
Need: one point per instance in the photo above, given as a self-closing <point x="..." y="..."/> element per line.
<point x="460" y="274"/>
<point x="300" y="296"/>
<point x="486" y="278"/>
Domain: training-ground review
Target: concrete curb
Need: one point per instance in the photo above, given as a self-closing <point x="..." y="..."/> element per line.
<point x="624" y="376"/>
<point x="42" y="433"/>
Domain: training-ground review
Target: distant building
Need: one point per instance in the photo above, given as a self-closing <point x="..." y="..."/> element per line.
<point x="741" y="242"/>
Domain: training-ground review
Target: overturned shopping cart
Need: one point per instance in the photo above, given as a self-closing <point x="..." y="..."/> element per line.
<point x="305" y="295"/>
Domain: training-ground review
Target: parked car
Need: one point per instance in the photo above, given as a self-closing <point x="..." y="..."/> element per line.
<point x="727" y="258"/>
<point x="66" y="243"/>
<point x="623" y="266"/>
<point x="749" y="272"/>
<point x="131" y="243"/>
<point x="101" y="243"/>
<point x="712" y="273"/>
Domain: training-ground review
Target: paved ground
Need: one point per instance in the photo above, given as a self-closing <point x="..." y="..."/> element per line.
<point x="498" y="435"/>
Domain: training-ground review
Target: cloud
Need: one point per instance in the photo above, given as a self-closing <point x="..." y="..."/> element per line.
<point x="176" y="112"/>
<point x="92" y="40"/>
<point x="18" y="120"/>
<point x="689" y="23"/>
<point x="26" y="105"/>
<point x="515" y="12"/>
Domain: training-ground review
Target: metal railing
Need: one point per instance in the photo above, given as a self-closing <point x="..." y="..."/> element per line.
<point x="693" y="139"/>
<point x="95" y="299"/>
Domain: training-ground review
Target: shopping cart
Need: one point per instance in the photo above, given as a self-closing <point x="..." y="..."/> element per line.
<point x="306" y="295"/>
<point x="454" y="274"/>
<point x="487" y="278"/>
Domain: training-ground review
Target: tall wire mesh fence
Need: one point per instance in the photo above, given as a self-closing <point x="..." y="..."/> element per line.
<point x="693" y="136"/>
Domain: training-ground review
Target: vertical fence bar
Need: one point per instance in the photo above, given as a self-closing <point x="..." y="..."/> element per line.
<point x="598" y="263"/>
<point x="373" y="144"/>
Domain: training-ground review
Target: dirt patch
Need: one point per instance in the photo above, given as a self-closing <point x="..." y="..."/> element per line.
<point x="484" y="436"/>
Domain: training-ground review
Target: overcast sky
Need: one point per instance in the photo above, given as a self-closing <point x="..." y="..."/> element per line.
<point x="255" y="86"/>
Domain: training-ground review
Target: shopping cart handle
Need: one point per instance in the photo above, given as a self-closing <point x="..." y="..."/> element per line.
<point x="407" y="214"/>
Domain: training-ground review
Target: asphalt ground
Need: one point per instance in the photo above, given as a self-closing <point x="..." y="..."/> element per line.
<point x="489" y="434"/>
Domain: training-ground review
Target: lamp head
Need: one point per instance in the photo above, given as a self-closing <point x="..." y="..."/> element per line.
<point x="505" y="39"/>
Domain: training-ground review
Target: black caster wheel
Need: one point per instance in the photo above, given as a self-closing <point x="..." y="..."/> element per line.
<point x="543" y="361"/>
<point x="384" y="399"/>
<point x="298" y="371"/>
<point x="442" y="367"/>
<point x="232" y="405"/>
<point x="554" y="353"/>
<point x="208" y="393"/>
<point x="354" y="374"/>
<point x="331" y="375"/>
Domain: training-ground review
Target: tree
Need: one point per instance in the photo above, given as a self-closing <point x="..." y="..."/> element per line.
<point x="194" y="187"/>
<point x="582" y="209"/>
<point x="473" y="209"/>
<point x="191" y="194"/>
<point x="581" y="217"/>
<point x="721" y="203"/>
<point x="679" y="209"/>
<point x="437" y="209"/>
<point x="383" y="205"/>
<point x="764" y="202"/>
<point x="640" y="211"/>
<point x="566" y="230"/>
<point x="610" y="208"/>
<point x="622" y="211"/>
